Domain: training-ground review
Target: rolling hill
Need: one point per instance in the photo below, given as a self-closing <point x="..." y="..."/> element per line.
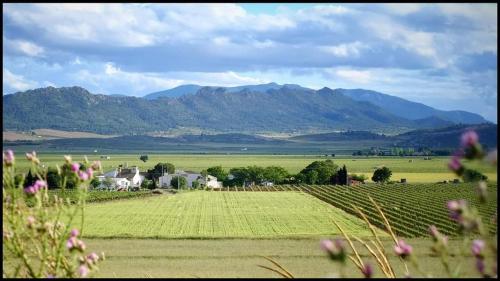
<point x="245" y="109"/>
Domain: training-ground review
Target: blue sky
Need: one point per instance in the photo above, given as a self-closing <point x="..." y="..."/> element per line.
<point x="443" y="55"/>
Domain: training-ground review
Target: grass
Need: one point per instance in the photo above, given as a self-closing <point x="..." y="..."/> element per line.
<point x="204" y="214"/>
<point x="418" y="170"/>
<point x="239" y="258"/>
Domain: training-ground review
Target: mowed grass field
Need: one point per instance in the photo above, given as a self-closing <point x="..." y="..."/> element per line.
<point x="205" y="214"/>
<point x="414" y="169"/>
<point x="239" y="258"/>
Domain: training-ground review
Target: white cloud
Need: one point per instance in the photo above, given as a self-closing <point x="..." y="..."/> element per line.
<point x="403" y="8"/>
<point x="345" y="50"/>
<point x="17" y="82"/>
<point x="25" y="47"/>
<point x="358" y="76"/>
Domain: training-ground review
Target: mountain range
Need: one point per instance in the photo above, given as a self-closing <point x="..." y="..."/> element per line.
<point x="244" y="109"/>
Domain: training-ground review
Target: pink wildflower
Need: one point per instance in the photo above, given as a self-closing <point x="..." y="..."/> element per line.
<point x="326" y="245"/>
<point x="335" y="249"/>
<point x="8" y="157"/>
<point x="31" y="190"/>
<point x="469" y="138"/>
<point x="83" y="271"/>
<point x="74" y="232"/>
<point x="477" y="248"/>
<point x="31" y="220"/>
<point x="367" y="270"/>
<point x="92" y="258"/>
<point x="39" y="184"/>
<point x="402" y="249"/>
<point x="75" y="167"/>
<point x="455" y="164"/>
<point x="90" y="172"/>
<point x="83" y="175"/>
<point x="480" y="266"/>
<point x="71" y="243"/>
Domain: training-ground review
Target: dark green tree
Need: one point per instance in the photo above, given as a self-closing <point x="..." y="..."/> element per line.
<point x="144" y="158"/>
<point x="471" y="175"/>
<point x="382" y="175"/>
<point x="240" y="175"/>
<point x="341" y="177"/>
<point x="178" y="182"/>
<point x="29" y="179"/>
<point x="158" y="169"/>
<point x="53" y="179"/>
<point x="319" y="172"/>
<point x="275" y="174"/>
<point x="218" y="172"/>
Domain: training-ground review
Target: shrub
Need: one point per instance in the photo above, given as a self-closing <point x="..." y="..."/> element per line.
<point x="382" y="175"/>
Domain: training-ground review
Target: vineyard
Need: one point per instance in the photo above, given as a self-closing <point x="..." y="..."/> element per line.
<point x="201" y="214"/>
<point x="410" y="208"/>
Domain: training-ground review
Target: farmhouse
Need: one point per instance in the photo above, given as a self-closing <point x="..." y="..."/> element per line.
<point x="121" y="179"/>
<point x="190" y="176"/>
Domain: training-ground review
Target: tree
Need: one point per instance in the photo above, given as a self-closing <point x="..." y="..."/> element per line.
<point x="196" y="184"/>
<point x="53" y="178"/>
<point x="360" y="178"/>
<point x="144" y="158"/>
<point x="95" y="183"/>
<point x="319" y="172"/>
<point x="149" y="184"/>
<point x="471" y="175"/>
<point x="255" y="174"/>
<point x="108" y="183"/>
<point x="382" y="175"/>
<point x="158" y="169"/>
<point x="341" y="177"/>
<point x="240" y="175"/>
<point x="178" y="182"/>
<point x="29" y="180"/>
<point x="275" y="174"/>
<point x="218" y="172"/>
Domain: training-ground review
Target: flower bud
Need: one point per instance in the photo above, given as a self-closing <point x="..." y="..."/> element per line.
<point x="477" y="248"/>
<point x="335" y="249"/>
<point x="83" y="271"/>
<point x="68" y="159"/>
<point x="468" y="139"/>
<point x="402" y="249"/>
<point x="367" y="270"/>
<point x="482" y="191"/>
<point x="30" y="221"/>
<point x="8" y="157"/>
<point x="75" y="167"/>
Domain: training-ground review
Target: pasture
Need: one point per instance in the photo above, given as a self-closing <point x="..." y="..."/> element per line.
<point x="205" y="214"/>
<point x="239" y="258"/>
<point x="414" y="169"/>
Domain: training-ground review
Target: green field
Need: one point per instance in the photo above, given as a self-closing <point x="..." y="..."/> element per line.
<point x="204" y="214"/>
<point x="414" y="169"/>
<point x="239" y="258"/>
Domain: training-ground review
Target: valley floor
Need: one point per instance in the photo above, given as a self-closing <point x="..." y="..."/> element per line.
<point x="185" y="258"/>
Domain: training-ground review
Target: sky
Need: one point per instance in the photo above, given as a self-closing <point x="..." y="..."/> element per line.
<point x="442" y="55"/>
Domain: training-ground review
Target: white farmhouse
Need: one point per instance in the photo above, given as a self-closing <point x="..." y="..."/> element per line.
<point x="122" y="179"/>
<point x="165" y="180"/>
<point x="210" y="182"/>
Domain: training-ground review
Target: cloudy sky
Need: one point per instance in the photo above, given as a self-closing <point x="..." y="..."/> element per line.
<point x="444" y="55"/>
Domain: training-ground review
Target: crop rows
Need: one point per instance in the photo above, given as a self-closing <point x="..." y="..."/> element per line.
<point x="99" y="196"/>
<point x="202" y="214"/>
<point x="410" y="208"/>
